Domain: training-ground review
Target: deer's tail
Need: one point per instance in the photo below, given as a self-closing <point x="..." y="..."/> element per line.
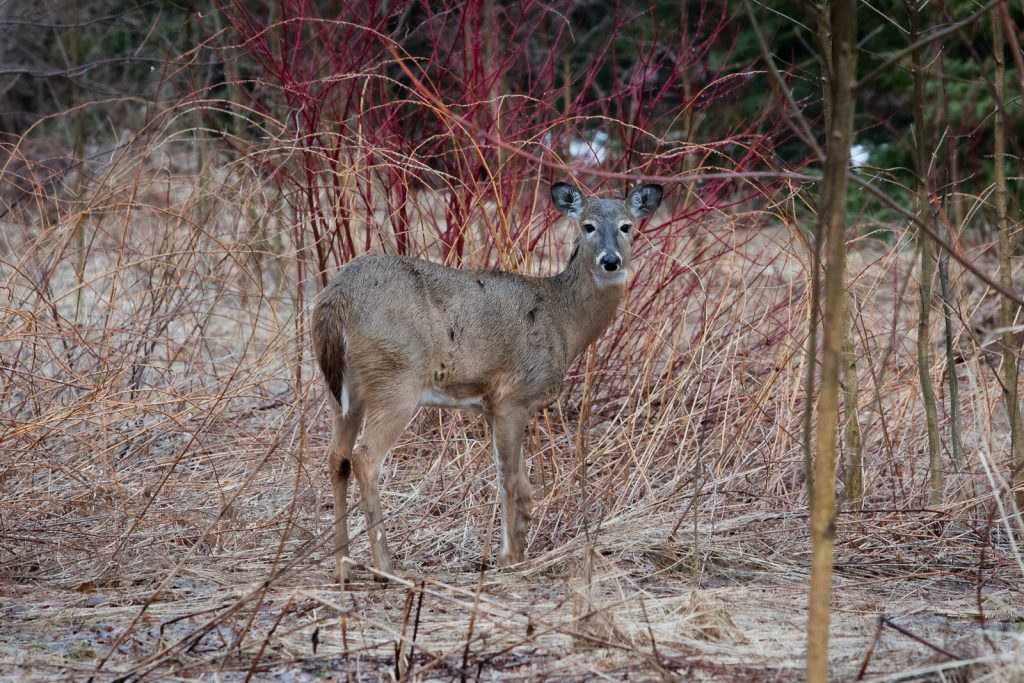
<point x="330" y="346"/>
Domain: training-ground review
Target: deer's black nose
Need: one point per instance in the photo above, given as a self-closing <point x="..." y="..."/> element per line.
<point x="610" y="262"/>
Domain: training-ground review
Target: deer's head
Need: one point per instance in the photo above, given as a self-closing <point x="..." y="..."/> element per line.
<point x="606" y="225"/>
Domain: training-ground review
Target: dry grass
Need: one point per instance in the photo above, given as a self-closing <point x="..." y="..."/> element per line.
<point x="165" y="505"/>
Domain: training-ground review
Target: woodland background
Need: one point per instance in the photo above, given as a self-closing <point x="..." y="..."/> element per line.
<point x="178" y="180"/>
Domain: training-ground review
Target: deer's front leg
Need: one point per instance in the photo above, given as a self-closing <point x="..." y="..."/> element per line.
<point x="507" y="425"/>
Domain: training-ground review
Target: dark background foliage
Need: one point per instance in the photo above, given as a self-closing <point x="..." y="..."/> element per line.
<point x="686" y="72"/>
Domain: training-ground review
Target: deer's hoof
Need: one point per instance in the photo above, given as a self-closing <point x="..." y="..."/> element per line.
<point x="383" y="572"/>
<point x="507" y="558"/>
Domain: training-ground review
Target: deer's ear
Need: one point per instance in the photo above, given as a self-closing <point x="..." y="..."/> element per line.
<point x="644" y="200"/>
<point x="568" y="199"/>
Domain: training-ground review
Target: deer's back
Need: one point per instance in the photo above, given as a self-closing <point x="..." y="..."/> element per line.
<point x="462" y="333"/>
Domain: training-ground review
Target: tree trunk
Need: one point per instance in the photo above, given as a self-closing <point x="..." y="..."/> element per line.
<point x="949" y="305"/>
<point x="922" y="210"/>
<point x="1005" y="251"/>
<point x="824" y="26"/>
<point x="853" y="447"/>
<point x="833" y="216"/>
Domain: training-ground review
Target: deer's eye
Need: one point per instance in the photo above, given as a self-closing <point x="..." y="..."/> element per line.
<point x="625" y="227"/>
<point x="589" y="228"/>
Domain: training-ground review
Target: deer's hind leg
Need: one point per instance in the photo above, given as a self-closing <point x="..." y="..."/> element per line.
<point x="345" y="430"/>
<point x="386" y="418"/>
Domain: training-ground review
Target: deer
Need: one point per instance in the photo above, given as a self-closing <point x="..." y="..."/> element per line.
<point x="393" y="333"/>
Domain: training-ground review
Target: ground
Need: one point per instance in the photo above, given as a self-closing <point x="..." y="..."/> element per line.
<point x="641" y="616"/>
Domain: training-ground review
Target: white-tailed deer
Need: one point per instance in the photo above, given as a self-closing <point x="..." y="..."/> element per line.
<point x="392" y="334"/>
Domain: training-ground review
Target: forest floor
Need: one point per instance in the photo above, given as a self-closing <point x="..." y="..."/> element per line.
<point x="255" y="598"/>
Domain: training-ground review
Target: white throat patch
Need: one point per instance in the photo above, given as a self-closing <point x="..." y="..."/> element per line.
<point x="613" y="279"/>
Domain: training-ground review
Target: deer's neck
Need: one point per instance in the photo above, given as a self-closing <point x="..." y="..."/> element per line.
<point x="587" y="308"/>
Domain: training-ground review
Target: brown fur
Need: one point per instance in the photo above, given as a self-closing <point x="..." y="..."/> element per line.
<point x="389" y="331"/>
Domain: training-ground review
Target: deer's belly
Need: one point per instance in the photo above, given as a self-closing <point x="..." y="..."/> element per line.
<point x="436" y="398"/>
